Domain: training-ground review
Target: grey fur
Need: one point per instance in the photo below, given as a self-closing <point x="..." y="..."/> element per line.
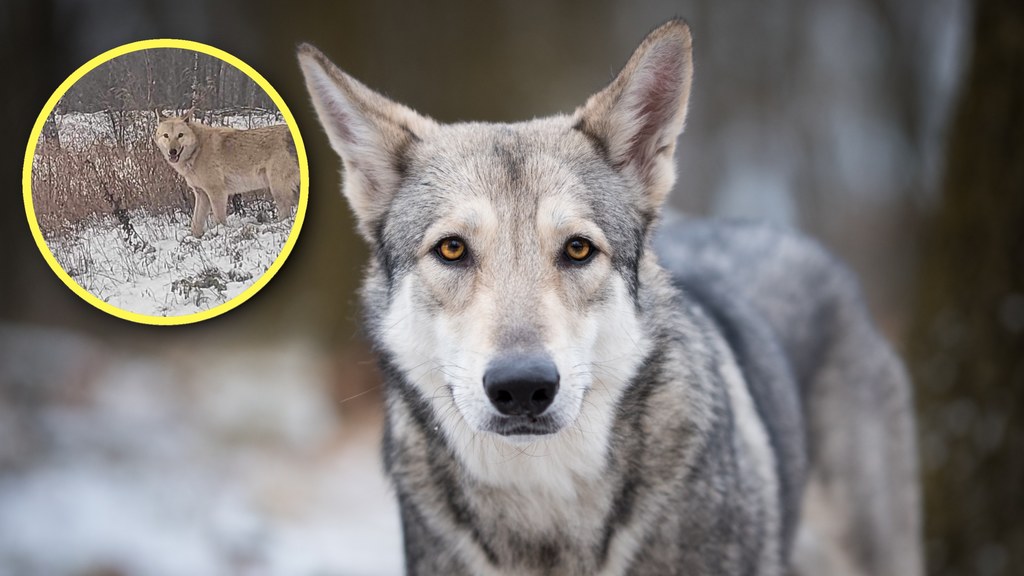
<point x="762" y="426"/>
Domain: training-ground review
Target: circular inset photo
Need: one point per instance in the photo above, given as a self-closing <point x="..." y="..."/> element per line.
<point x="165" y="182"/>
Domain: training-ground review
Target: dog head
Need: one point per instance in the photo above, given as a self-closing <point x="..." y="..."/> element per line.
<point x="508" y="258"/>
<point x="175" y="137"/>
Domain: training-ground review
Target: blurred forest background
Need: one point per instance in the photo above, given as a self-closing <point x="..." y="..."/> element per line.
<point x="892" y="130"/>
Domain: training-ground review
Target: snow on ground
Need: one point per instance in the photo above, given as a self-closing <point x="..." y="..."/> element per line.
<point x="165" y="271"/>
<point x="226" y="461"/>
<point x="247" y="122"/>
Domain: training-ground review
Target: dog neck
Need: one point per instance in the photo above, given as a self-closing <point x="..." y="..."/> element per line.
<point x="188" y="160"/>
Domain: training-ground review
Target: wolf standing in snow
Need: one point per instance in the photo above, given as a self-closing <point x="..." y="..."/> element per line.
<point x="574" y="389"/>
<point x="218" y="162"/>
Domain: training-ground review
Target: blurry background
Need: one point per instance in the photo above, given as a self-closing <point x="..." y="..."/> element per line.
<point x="893" y="130"/>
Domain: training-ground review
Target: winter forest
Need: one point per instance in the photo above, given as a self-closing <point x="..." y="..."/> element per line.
<point x="115" y="215"/>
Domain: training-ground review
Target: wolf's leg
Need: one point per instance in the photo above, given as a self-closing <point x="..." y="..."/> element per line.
<point x="861" y="510"/>
<point x="283" y="181"/>
<point x="200" y="212"/>
<point x="219" y="200"/>
<point x="283" y="198"/>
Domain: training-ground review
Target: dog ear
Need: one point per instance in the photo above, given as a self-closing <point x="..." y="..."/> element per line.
<point x="369" y="132"/>
<point x="189" y="116"/>
<point x="637" y="118"/>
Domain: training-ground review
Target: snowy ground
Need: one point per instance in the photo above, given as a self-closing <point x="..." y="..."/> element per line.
<point x="227" y="462"/>
<point x="166" y="271"/>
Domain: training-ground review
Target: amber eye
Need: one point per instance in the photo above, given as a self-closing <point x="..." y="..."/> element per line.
<point x="165" y="135"/>
<point x="578" y="249"/>
<point x="451" y="249"/>
<point x="180" y="134"/>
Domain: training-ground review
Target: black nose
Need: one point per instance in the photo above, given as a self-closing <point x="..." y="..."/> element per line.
<point x="521" y="384"/>
<point x="173" y="151"/>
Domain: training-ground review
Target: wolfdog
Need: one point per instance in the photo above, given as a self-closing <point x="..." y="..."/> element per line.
<point x="218" y="162"/>
<point x="571" y="390"/>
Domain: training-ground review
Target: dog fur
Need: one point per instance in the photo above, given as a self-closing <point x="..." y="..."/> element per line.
<point x="724" y="404"/>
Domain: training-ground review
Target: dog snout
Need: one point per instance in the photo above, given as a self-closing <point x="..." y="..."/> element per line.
<point x="173" y="151"/>
<point x="521" y="385"/>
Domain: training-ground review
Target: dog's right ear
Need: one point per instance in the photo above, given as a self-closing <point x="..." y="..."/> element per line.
<point x="368" y="131"/>
<point x="637" y="118"/>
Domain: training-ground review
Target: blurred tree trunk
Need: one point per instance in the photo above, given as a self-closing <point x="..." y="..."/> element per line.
<point x="36" y="58"/>
<point x="967" y="348"/>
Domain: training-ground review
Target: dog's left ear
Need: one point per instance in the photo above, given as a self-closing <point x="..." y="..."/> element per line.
<point x="638" y="117"/>
<point x="368" y="131"/>
<point x="190" y="115"/>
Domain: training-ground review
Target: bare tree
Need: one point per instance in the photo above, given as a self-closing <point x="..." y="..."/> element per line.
<point x="968" y="342"/>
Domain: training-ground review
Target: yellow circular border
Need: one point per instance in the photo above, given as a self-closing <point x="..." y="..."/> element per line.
<point x="300" y="212"/>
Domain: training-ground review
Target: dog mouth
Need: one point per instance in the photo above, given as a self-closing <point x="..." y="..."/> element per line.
<point x="174" y="157"/>
<point x="543" y="425"/>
